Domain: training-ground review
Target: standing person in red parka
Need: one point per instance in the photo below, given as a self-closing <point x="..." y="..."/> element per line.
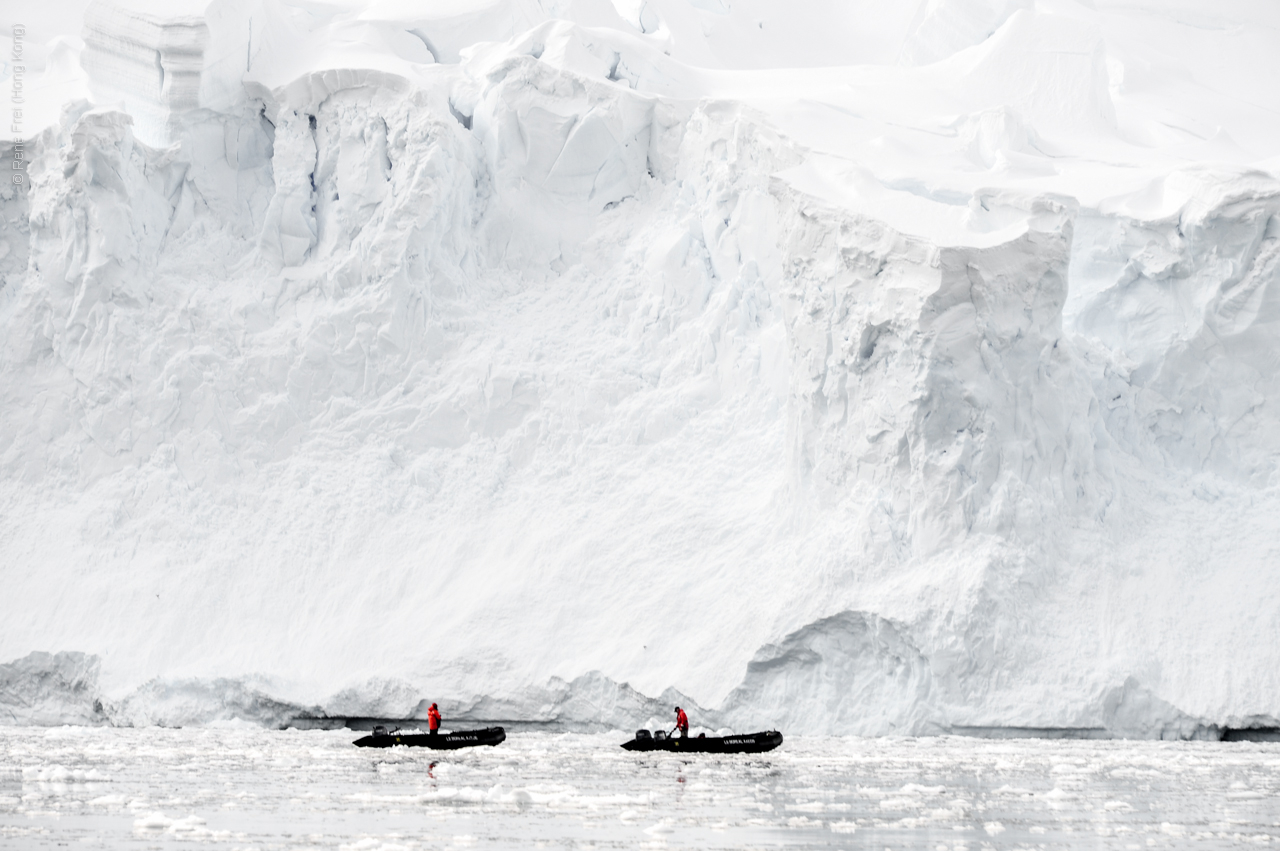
<point x="433" y="719"/>
<point x="682" y="723"/>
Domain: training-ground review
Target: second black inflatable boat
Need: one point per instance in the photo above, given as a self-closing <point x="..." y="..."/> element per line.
<point x="440" y="742"/>
<point x="746" y="743"/>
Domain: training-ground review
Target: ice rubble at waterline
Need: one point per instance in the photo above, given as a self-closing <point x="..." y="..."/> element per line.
<point x="307" y="789"/>
<point x="572" y="363"/>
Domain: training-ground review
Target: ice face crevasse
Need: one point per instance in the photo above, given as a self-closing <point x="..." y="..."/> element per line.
<point x="547" y="382"/>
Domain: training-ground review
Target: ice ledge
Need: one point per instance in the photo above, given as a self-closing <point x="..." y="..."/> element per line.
<point x="830" y="663"/>
<point x="50" y="689"/>
<point x="149" y="60"/>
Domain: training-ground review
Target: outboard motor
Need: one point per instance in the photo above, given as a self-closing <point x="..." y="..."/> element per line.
<point x="660" y="735"/>
<point x="642" y="735"/>
<point x="379" y="730"/>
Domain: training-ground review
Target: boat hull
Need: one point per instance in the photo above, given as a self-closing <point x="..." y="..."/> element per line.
<point x="748" y="743"/>
<point x="441" y="742"/>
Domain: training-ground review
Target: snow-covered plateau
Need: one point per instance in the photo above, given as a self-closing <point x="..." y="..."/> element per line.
<point x="840" y="366"/>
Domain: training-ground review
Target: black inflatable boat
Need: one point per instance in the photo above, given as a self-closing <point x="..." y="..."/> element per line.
<point x="747" y="743"/>
<point x="441" y="741"/>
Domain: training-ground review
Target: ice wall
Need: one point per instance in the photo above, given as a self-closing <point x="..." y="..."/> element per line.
<point x="545" y="375"/>
<point x="149" y="60"/>
<point x="51" y="689"/>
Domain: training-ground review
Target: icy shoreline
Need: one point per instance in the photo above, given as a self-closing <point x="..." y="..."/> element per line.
<point x="61" y="689"/>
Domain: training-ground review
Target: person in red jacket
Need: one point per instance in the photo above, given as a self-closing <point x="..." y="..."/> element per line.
<point x="433" y="719"/>
<point x="682" y="723"/>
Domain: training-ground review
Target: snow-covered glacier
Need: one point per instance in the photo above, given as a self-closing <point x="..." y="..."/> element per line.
<point x="840" y="367"/>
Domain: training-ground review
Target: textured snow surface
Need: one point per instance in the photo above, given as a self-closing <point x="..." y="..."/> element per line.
<point x="841" y="367"/>
<point x="233" y="787"/>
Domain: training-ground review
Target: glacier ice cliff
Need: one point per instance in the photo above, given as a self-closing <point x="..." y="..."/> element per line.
<point x="557" y="363"/>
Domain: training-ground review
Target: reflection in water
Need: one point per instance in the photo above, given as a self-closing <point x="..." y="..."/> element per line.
<point x="294" y="790"/>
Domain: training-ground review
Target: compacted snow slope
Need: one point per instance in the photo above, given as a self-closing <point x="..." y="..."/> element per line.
<point x="839" y="367"/>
